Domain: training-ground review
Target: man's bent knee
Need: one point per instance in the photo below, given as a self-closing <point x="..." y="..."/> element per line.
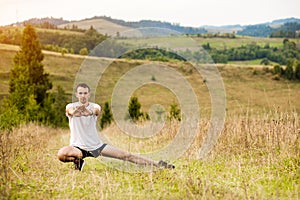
<point x="62" y="154"/>
<point x="68" y="153"/>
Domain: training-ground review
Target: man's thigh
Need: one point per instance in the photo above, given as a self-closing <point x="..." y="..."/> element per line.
<point x="70" y="151"/>
<point x="113" y="152"/>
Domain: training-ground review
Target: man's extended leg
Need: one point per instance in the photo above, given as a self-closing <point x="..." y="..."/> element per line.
<point x="113" y="152"/>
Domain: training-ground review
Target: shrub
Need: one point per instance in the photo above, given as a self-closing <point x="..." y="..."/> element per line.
<point x="84" y="51"/>
<point x="106" y="117"/>
<point x="175" y="112"/>
<point x="134" y="109"/>
<point x="265" y="61"/>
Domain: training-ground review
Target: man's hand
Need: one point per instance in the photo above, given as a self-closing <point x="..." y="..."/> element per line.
<point x="82" y="111"/>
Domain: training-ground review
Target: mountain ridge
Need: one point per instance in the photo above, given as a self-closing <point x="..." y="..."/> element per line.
<point x="104" y="24"/>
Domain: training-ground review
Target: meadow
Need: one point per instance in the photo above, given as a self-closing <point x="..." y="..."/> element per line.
<point x="256" y="156"/>
<point x="217" y="42"/>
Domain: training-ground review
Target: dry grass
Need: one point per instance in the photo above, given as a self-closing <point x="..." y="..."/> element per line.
<point x="256" y="157"/>
<point x="101" y="25"/>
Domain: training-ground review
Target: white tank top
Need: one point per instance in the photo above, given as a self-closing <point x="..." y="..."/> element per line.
<point x="83" y="129"/>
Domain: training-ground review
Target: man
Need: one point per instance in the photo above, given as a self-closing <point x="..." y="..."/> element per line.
<point x="84" y="140"/>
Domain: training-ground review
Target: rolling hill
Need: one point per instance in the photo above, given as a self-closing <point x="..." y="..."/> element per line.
<point x="109" y="26"/>
<point x="103" y="26"/>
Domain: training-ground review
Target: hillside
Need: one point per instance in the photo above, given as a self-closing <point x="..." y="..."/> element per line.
<point x="110" y="26"/>
<point x="247" y="86"/>
<point x="101" y="25"/>
<point x="51" y="20"/>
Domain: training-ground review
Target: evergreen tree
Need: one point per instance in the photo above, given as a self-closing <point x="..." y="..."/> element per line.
<point x="297" y="71"/>
<point x="289" y="72"/>
<point x="28" y="83"/>
<point x="19" y="88"/>
<point x="106" y="117"/>
<point x="29" y="59"/>
<point x="278" y="69"/>
<point x="54" y="109"/>
<point x="134" y="109"/>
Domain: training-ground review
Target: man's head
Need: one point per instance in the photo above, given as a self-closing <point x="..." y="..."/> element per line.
<point x="83" y="93"/>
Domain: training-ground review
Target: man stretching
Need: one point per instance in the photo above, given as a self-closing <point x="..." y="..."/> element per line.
<point x="84" y="140"/>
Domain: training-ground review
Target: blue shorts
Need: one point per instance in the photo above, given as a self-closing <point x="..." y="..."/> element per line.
<point x="95" y="153"/>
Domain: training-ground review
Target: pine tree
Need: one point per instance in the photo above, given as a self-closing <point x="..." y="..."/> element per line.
<point x="297" y="71"/>
<point x="289" y="71"/>
<point x="134" y="109"/>
<point x="106" y="117"/>
<point x="28" y="82"/>
<point x="54" y="112"/>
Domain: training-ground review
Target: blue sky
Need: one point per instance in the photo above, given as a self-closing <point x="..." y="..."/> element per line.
<point x="185" y="12"/>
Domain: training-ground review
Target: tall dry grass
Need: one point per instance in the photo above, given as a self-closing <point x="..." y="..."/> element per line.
<point x="256" y="157"/>
<point x="274" y="131"/>
<point x="24" y="152"/>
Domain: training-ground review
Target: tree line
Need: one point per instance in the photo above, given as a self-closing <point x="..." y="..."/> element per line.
<point x="284" y="55"/>
<point x="287" y="30"/>
<point x="56" y="40"/>
<point x="280" y="55"/>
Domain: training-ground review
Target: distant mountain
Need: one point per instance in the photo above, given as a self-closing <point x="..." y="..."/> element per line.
<point x="158" y="24"/>
<point x="223" y="29"/>
<point x="267" y="29"/>
<point x="102" y="26"/>
<point x="236" y="26"/>
<point x="110" y="26"/>
<point x="51" y="20"/>
<point x="260" y="30"/>
<point x="284" y="21"/>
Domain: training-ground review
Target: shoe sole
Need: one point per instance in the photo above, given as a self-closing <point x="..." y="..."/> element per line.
<point x="80" y="169"/>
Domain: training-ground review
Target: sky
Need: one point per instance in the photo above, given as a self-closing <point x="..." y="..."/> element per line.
<point x="193" y="13"/>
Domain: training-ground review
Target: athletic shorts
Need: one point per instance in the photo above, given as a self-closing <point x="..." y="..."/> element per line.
<point x="95" y="153"/>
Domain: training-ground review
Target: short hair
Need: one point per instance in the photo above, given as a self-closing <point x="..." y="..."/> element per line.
<point x="84" y="85"/>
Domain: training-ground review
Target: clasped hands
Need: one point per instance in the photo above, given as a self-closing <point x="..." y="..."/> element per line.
<point x="82" y="111"/>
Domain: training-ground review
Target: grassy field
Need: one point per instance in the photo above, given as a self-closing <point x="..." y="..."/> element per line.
<point x="256" y="156"/>
<point x="218" y="43"/>
<point x="221" y="43"/>
<point x="60" y="31"/>
<point x="249" y="62"/>
<point x="101" y="25"/>
<point x="247" y="87"/>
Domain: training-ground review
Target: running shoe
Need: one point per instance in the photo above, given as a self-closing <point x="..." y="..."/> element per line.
<point x="164" y="164"/>
<point x="79" y="164"/>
